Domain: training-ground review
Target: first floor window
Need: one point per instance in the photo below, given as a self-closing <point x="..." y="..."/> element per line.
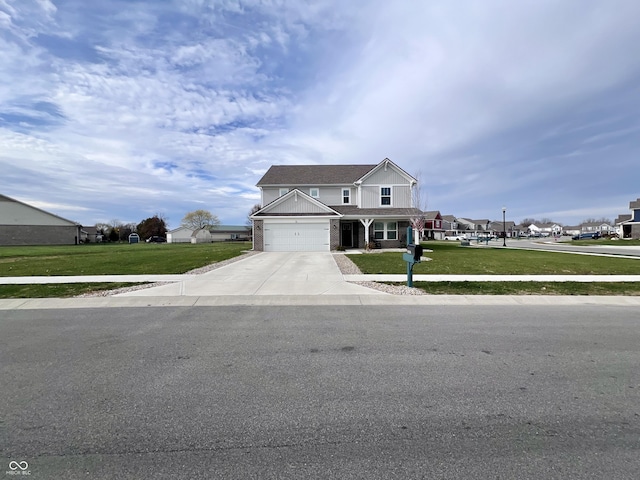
<point x="392" y="231"/>
<point x="378" y="230"/>
<point x="385" y="230"/>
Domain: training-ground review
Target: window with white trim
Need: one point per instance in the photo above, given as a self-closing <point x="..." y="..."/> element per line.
<point x="346" y="196"/>
<point x="283" y="191"/>
<point x="314" y="192"/>
<point x="385" y="230"/>
<point x="385" y="196"/>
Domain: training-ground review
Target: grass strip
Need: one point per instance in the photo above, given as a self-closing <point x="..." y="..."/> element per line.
<point x="56" y="290"/>
<point x="529" y="288"/>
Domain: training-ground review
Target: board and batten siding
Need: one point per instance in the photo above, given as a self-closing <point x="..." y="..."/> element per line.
<point x="295" y="206"/>
<point x="328" y="195"/>
<point x="389" y="177"/>
<point x="400" y="196"/>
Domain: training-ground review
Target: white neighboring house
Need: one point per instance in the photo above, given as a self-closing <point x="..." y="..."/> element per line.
<point x="180" y="235"/>
<point x="202" y="235"/>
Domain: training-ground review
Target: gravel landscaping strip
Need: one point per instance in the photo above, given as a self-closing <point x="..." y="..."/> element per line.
<point x="347" y="267"/>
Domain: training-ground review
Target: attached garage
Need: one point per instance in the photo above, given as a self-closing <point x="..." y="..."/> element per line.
<point x="296" y="236"/>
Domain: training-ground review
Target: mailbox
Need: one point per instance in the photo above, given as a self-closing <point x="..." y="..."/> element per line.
<point x="415" y="251"/>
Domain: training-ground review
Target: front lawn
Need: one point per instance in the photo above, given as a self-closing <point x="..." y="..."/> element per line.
<point x="114" y="259"/>
<point x="453" y="259"/>
<point x="104" y="259"/>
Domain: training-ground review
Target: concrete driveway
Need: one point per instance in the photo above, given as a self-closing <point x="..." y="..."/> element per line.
<point x="267" y="273"/>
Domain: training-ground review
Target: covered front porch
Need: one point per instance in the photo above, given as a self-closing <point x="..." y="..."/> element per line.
<point x="363" y="233"/>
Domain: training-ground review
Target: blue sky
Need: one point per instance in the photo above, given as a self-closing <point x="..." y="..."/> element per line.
<point x="127" y="108"/>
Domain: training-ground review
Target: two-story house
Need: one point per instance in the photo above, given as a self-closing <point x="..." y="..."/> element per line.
<point x="629" y="224"/>
<point x="323" y="207"/>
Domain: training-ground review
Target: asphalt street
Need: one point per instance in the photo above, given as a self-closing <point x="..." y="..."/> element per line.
<point x="322" y="392"/>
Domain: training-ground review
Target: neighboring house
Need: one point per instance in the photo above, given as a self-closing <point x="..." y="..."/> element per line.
<point x="220" y="233"/>
<point x="323" y="207"/>
<point x="89" y="235"/>
<point x="509" y="227"/>
<point x="433" y="227"/>
<point x="620" y="222"/>
<point x="571" y="230"/>
<point x="601" y="228"/>
<point x="22" y="224"/>
<point x="474" y="227"/>
<point x="226" y="233"/>
<point x="630" y="227"/>
<point x="201" y="235"/>
<point x="180" y="235"/>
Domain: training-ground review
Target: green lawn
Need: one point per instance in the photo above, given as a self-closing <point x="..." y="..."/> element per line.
<point x="528" y="288"/>
<point x="114" y="259"/>
<point x="452" y="259"/>
<point x="104" y="259"/>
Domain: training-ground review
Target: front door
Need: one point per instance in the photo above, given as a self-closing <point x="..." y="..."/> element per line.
<point x="347" y="235"/>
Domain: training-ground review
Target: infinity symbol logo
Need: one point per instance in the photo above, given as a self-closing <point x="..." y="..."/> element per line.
<point x="13" y="465"/>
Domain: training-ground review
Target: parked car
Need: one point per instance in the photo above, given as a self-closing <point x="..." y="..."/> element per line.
<point x="156" y="239"/>
<point x="454" y="237"/>
<point x="584" y="236"/>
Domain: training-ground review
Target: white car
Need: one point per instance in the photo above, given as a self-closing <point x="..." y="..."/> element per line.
<point x="453" y="237"/>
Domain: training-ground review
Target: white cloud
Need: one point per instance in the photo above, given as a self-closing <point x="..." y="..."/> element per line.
<point x="488" y="98"/>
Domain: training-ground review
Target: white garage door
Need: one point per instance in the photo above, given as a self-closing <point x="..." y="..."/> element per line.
<point x="296" y="237"/>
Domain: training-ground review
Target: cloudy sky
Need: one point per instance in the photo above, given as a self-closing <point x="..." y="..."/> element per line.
<point x="121" y="109"/>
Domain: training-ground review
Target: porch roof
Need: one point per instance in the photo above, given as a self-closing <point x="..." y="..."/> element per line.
<point x="351" y="211"/>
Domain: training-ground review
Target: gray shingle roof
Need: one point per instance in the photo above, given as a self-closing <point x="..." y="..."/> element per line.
<point x="351" y="210"/>
<point x="635" y="204"/>
<point x="313" y="174"/>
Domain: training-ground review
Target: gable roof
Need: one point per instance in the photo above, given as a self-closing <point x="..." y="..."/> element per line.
<point x="623" y="218"/>
<point x="5" y="199"/>
<point x="314" y="174"/>
<point x="322" y="209"/>
<point x="385" y="164"/>
<point x="433" y="215"/>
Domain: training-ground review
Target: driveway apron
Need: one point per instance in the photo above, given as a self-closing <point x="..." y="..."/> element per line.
<point x="267" y="273"/>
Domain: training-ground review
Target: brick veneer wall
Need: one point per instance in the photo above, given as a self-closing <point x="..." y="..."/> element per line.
<point x="38" y="235"/>
<point x="258" y="235"/>
<point x="334" y="235"/>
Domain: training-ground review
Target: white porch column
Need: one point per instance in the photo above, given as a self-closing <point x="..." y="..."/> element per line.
<point x="367" y="223"/>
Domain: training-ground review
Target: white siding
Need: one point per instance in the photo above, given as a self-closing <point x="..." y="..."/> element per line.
<point x="389" y="177"/>
<point x="297" y="205"/>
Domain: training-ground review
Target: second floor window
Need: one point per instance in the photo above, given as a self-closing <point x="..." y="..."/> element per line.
<point x="385" y="195"/>
<point x="346" y="195"/>
<point x="283" y="191"/>
<point x="314" y="192"/>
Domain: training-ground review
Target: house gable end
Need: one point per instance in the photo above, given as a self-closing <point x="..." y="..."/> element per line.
<point x="295" y="203"/>
<point x="386" y="173"/>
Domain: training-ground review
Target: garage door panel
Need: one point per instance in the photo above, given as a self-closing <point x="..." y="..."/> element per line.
<point x="296" y="237"/>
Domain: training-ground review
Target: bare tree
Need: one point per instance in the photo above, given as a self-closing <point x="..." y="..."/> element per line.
<point x="419" y="201"/>
<point x="253" y="210"/>
<point x="200" y="219"/>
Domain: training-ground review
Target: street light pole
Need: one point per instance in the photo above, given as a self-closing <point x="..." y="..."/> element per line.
<point x="504" y="227"/>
